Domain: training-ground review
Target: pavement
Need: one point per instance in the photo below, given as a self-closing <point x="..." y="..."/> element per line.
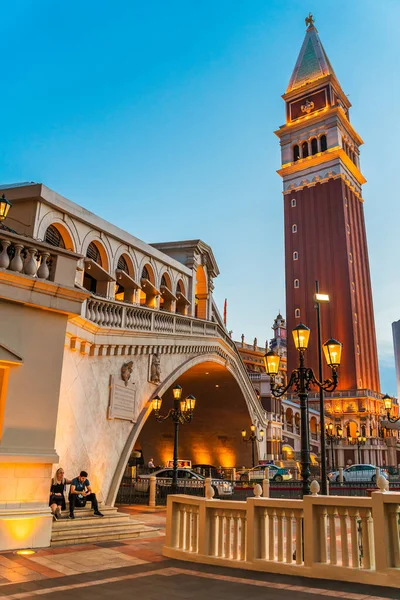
<point x="135" y="568"/>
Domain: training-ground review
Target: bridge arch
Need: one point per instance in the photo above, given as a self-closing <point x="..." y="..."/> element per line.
<point x="222" y="409"/>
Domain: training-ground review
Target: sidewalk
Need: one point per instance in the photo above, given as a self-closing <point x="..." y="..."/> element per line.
<point x="136" y="567"/>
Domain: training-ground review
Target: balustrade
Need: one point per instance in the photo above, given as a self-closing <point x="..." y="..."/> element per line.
<point x="28" y="257"/>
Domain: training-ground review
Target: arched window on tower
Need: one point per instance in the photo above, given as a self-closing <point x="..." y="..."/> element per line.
<point x="296" y="153"/>
<point x="294" y="228"/>
<point x="304" y="148"/>
<point x="314" y="146"/>
<point x="296" y="283"/>
<point x="295" y="255"/>
<point x="323" y="143"/>
<point x="297" y="313"/>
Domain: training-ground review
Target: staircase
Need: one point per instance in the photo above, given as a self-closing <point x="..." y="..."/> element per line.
<point x="86" y="528"/>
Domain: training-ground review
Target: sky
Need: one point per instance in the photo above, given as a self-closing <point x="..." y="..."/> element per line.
<point x="159" y="117"/>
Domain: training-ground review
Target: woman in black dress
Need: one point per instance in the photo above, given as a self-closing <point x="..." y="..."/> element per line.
<point x="57" y="490"/>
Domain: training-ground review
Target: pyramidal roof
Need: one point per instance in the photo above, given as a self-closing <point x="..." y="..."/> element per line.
<point x="312" y="62"/>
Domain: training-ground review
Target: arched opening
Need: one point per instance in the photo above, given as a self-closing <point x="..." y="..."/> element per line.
<point x="297" y="422"/>
<point x="351" y="429"/>
<point x="167" y="298"/>
<point x="314" y="428"/>
<point x="182" y="303"/>
<point x="201" y="294"/>
<point x="314" y="146"/>
<point x="96" y="277"/>
<point x="296" y="283"/>
<point x="289" y="419"/>
<point x="58" y="235"/>
<point x="126" y="286"/>
<point x="149" y="294"/>
<point x="296" y="153"/>
<point x="304" y="148"/>
<point x="297" y="313"/>
<point x="323" y="143"/>
<point x="287" y="452"/>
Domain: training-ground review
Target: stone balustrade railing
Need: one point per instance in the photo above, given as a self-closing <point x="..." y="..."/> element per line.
<point x="326" y="537"/>
<point x="37" y="259"/>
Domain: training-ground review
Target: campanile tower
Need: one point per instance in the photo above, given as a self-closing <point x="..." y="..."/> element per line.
<point x="325" y="236"/>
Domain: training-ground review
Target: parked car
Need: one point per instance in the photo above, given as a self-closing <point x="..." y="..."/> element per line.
<point x="207" y="471"/>
<point x="358" y="473"/>
<point x="186" y="479"/>
<point x="257" y="473"/>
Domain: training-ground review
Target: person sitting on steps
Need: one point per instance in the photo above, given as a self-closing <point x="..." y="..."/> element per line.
<point x="57" y="489"/>
<point x="79" y="493"/>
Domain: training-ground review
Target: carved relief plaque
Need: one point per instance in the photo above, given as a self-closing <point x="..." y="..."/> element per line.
<point x="122" y="400"/>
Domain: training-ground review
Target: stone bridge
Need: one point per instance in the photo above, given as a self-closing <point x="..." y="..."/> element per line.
<point x="197" y="354"/>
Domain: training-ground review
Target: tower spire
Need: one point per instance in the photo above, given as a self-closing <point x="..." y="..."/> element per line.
<point x="312" y="62"/>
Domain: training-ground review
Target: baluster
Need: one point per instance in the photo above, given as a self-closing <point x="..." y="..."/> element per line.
<point x="394" y="523"/>
<point x="289" y="536"/>
<point x="344" y="540"/>
<point x="212" y="549"/>
<point x="279" y="515"/>
<point x="221" y="532"/>
<point x="368" y="560"/>
<point x="263" y="533"/>
<point x="243" y="537"/>
<point x="195" y="547"/>
<point x="110" y="310"/>
<point x="235" y="542"/>
<point x="323" y="535"/>
<point x="97" y="313"/>
<point x="188" y="535"/>
<point x="182" y="529"/>
<point x="30" y="263"/>
<point x="4" y="257"/>
<point x="44" y="271"/>
<point x="353" y="514"/>
<point x="332" y="535"/>
<point x="17" y="263"/>
<point x="271" y="534"/>
<point x="299" y="538"/>
<point x="228" y="538"/>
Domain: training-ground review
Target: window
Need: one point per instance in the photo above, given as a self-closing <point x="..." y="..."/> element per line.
<point x="54" y="237"/>
<point x="304" y="148"/>
<point x="294" y="228"/>
<point x="93" y="253"/>
<point x="122" y="264"/>
<point x="296" y="283"/>
<point x="296" y="153"/>
<point x="295" y="255"/>
<point x="297" y="313"/>
<point x="164" y="281"/>
<point x="323" y="143"/>
<point x="145" y="274"/>
<point x="314" y="146"/>
<point x="293" y="202"/>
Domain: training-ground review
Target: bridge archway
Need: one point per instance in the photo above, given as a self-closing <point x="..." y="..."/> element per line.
<point x="224" y="407"/>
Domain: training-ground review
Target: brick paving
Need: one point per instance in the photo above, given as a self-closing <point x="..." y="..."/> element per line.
<point x="136" y="567"/>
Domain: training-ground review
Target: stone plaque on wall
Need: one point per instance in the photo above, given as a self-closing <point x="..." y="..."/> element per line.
<point x="122" y="400"/>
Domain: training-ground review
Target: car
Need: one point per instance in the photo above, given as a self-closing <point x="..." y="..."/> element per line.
<point x="358" y="473"/>
<point x="186" y="479"/>
<point x="257" y="473"/>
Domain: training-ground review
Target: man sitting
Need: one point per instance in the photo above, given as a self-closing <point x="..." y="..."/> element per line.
<point x="80" y="492"/>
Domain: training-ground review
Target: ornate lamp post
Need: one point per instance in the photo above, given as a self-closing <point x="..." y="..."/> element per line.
<point x="181" y="413"/>
<point x="5" y="206"/>
<point x="333" y="439"/>
<point x="301" y="380"/>
<point x="253" y="439"/>
<point x="387" y="400"/>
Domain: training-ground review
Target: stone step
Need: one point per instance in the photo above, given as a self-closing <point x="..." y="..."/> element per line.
<point x="86" y="528"/>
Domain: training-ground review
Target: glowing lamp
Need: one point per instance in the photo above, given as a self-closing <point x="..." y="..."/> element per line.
<point x="243" y="433"/>
<point x="271" y="361"/>
<point x="387" y="401"/>
<point x="301" y="336"/>
<point x="321" y="297"/>
<point x="177" y="392"/>
<point x="252" y="428"/>
<point x="262" y="433"/>
<point x="350" y="439"/>
<point x="339" y="431"/>
<point x="25" y="552"/>
<point x="190" y="403"/>
<point x="331" y="427"/>
<point x="5" y="206"/>
<point x="157" y="401"/>
<point x="333" y="353"/>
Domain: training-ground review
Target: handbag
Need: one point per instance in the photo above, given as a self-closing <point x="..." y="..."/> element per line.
<point x="80" y="501"/>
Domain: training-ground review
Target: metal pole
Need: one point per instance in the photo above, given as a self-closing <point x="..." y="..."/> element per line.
<point x="174" y="487"/>
<point x="253" y="441"/>
<point x="324" y="487"/>
<point x="305" y="442"/>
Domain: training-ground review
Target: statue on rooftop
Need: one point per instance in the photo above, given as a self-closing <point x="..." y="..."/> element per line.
<point x="309" y="20"/>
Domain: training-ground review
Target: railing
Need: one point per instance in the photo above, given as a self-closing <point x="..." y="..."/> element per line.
<point x="325" y="537"/>
<point x="39" y="260"/>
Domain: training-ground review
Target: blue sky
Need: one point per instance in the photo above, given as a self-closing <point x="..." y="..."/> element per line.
<point x="159" y="116"/>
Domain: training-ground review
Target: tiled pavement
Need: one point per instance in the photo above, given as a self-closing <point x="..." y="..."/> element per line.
<point x="136" y="568"/>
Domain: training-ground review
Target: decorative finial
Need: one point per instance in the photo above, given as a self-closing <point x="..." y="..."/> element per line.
<point x="309" y="21"/>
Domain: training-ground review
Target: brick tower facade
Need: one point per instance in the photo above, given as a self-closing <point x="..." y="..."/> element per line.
<point x="325" y="237"/>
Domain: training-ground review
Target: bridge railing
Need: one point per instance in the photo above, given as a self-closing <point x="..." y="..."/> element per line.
<point x="325" y="537"/>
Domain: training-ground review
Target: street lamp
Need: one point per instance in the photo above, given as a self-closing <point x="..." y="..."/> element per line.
<point x="253" y="439"/>
<point x="5" y="206"/>
<point x="333" y="439"/>
<point x="318" y="299"/>
<point x="359" y="440"/>
<point x="181" y="413"/>
<point x="301" y="379"/>
<point x="388" y="401"/>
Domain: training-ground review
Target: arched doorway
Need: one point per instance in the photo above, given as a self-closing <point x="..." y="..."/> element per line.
<point x="201" y="294"/>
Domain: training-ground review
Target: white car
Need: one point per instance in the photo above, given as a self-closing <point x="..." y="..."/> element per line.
<point x="257" y="473"/>
<point x="186" y="479"/>
<point x="358" y="473"/>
